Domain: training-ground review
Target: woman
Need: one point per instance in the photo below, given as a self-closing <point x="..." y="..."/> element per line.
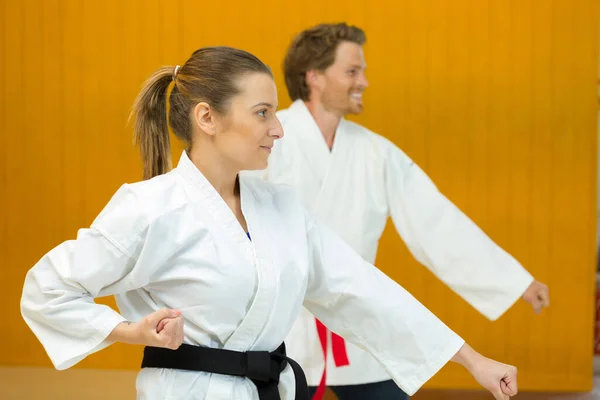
<point x="235" y="258"/>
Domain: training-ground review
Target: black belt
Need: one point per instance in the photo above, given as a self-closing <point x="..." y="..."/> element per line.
<point x="262" y="367"/>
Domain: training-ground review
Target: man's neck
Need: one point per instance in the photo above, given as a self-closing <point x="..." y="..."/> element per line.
<point x="327" y="121"/>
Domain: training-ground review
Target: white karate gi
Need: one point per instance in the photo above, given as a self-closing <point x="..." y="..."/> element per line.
<point x="173" y="242"/>
<point x="353" y="189"/>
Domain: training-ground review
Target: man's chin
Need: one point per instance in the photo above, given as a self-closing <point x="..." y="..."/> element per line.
<point x="355" y="109"/>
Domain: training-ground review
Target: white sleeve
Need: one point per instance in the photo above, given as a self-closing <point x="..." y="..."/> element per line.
<point x="360" y="303"/>
<point x="448" y="243"/>
<point x="57" y="301"/>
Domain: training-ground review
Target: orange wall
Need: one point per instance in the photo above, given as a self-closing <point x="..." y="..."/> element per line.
<point x="495" y="99"/>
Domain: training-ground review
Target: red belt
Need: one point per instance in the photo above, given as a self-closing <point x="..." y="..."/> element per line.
<point x="340" y="356"/>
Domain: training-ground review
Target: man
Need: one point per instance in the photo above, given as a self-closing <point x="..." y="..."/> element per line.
<point x="353" y="180"/>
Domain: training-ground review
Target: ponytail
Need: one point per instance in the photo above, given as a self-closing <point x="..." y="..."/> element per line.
<point x="151" y="129"/>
